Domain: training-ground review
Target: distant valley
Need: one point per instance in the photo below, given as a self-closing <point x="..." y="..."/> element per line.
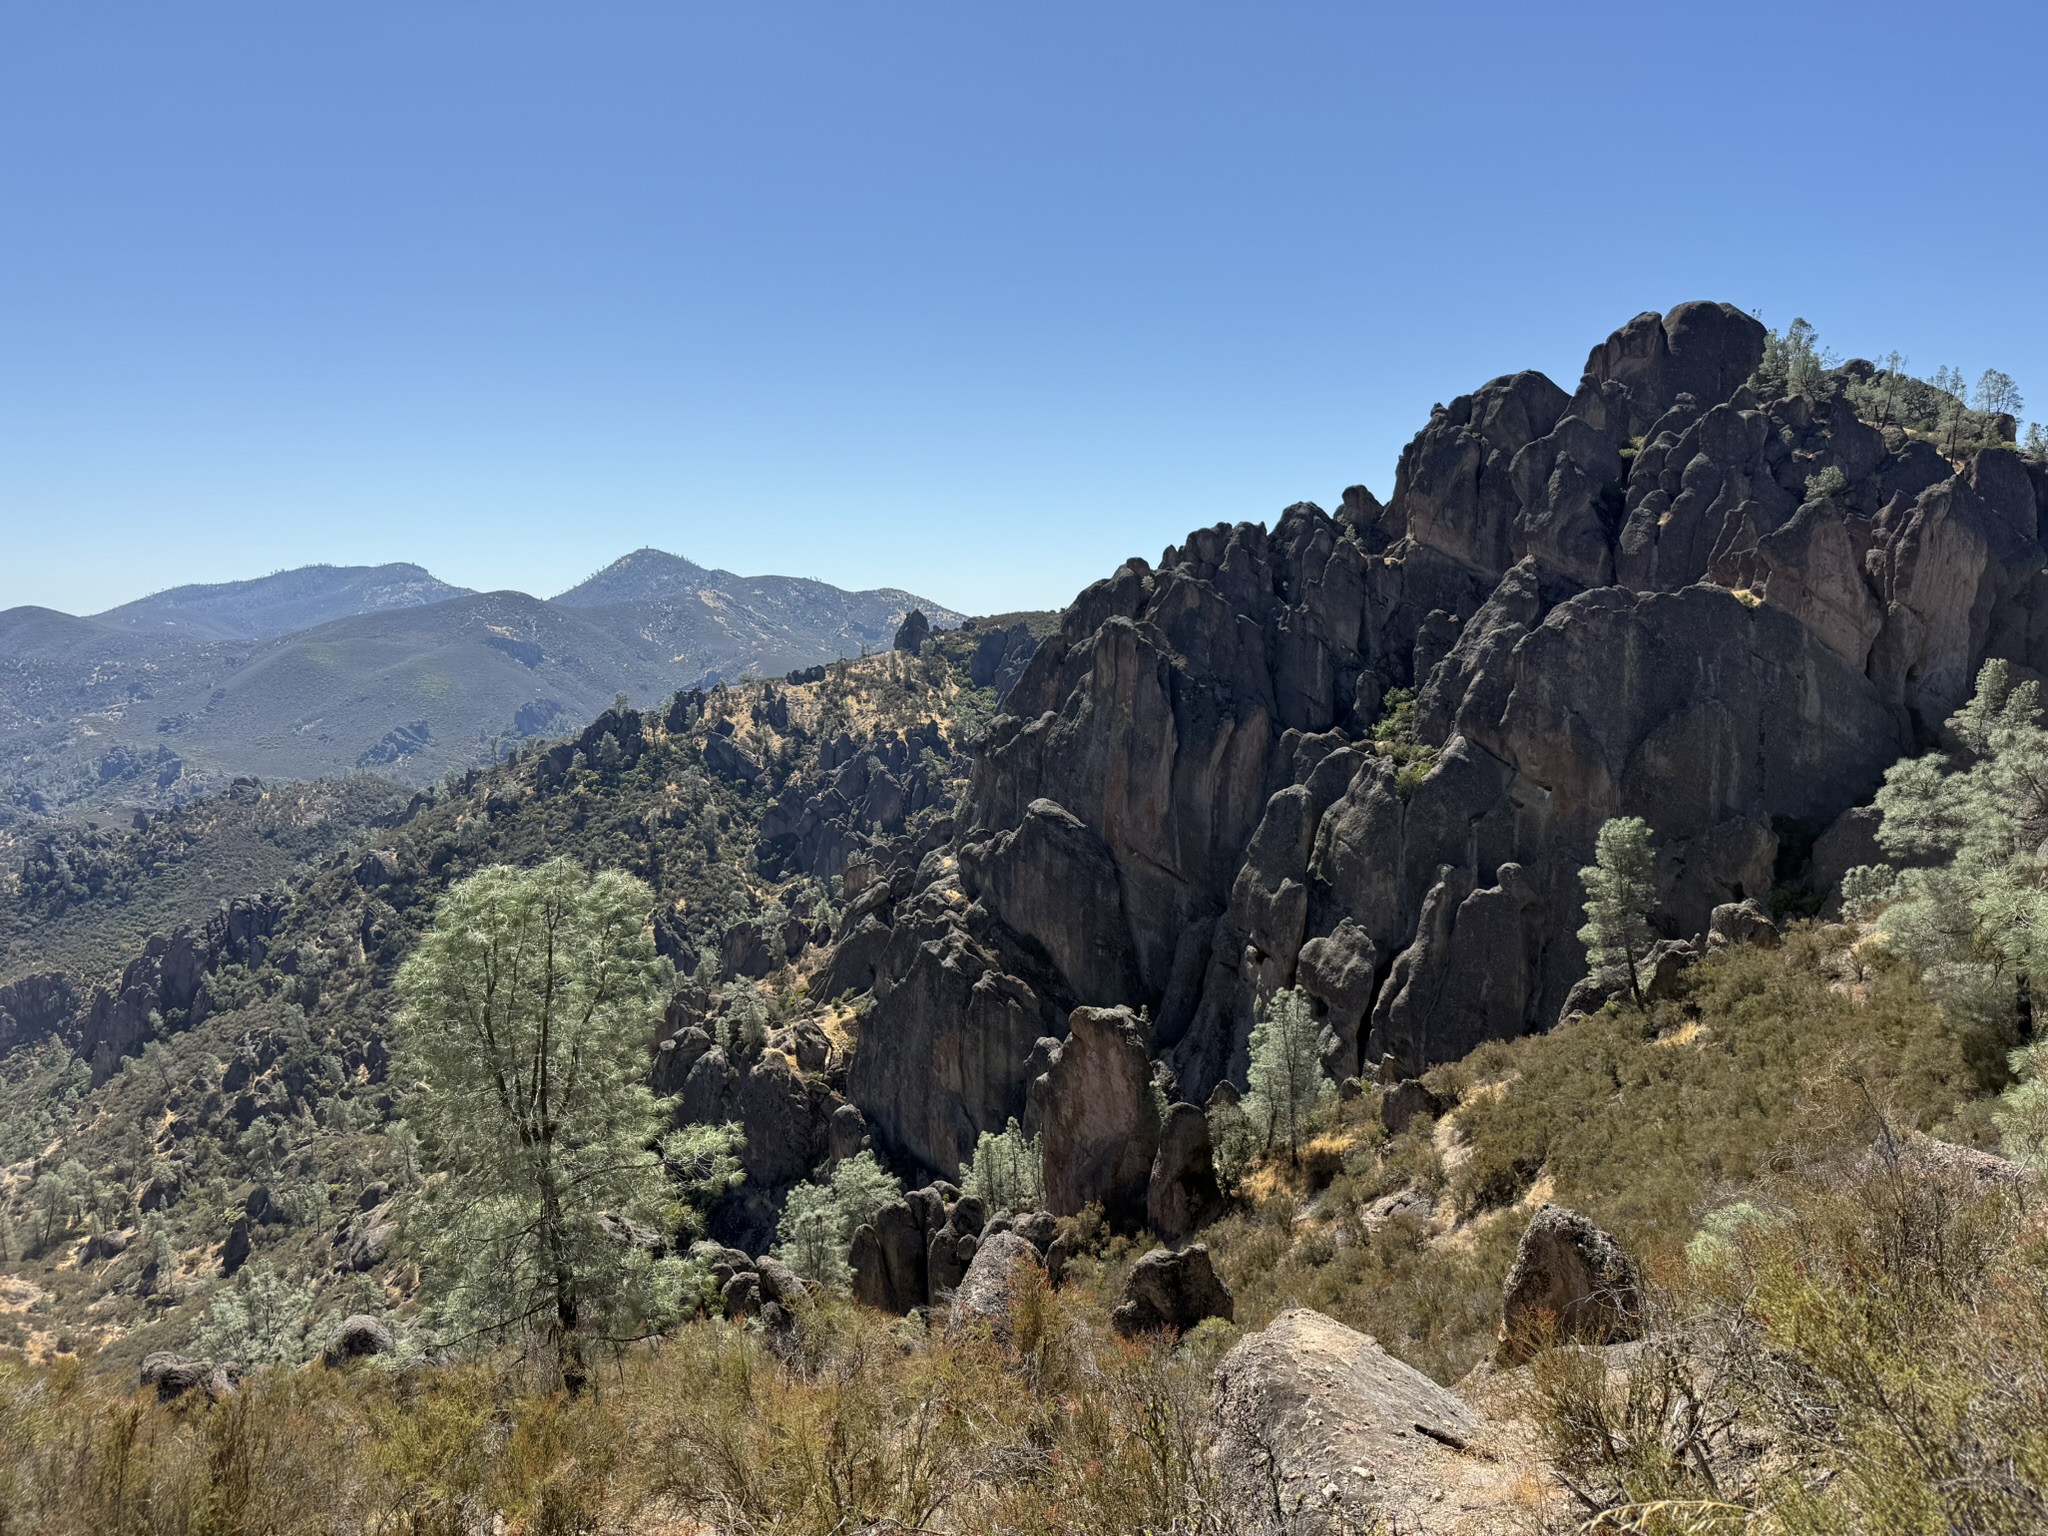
<point x="330" y="670"/>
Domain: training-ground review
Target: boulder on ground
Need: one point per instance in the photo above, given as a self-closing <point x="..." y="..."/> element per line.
<point x="1168" y="1292"/>
<point x="1741" y="922"/>
<point x="1404" y="1101"/>
<point x="1320" y="1432"/>
<point x="1976" y="1171"/>
<point x="358" y="1337"/>
<point x="173" y="1375"/>
<point x="1570" y="1280"/>
<point x="987" y="1295"/>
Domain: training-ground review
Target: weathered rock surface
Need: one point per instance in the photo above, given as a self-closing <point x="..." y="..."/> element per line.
<point x="358" y="1337"/>
<point x="1094" y="1111"/>
<point x="987" y="1294"/>
<point x="173" y="1375"/>
<point x="1171" y="1292"/>
<point x="1184" y="806"/>
<point x="1182" y="1193"/>
<point x="1320" y="1432"/>
<point x="1570" y="1280"/>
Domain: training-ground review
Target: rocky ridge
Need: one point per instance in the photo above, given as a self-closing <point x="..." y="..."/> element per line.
<point x="1674" y="592"/>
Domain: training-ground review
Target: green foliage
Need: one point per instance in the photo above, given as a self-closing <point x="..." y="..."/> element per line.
<point x="528" y="1009"/>
<point x="62" y="1195"/>
<point x="258" y="1318"/>
<point x="1997" y="395"/>
<point x="1285" y="1074"/>
<point x="1794" y="360"/>
<point x="743" y="1023"/>
<point x="1639" y="1120"/>
<point x="819" y="1220"/>
<point x="1393" y="737"/>
<point x="1621" y="895"/>
<point x="2022" y="1112"/>
<point x="1007" y="1171"/>
<point x="1980" y="913"/>
<point x="1826" y="485"/>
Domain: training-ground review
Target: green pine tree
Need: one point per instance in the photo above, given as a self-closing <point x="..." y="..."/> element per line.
<point x="1621" y="895"/>
<point x="1974" y="915"/>
<point x="528" y="1008"/>
<point x="1286" y="1076"/>
<point x="1007" y="1171"/>
<point x="819" y="1220"/>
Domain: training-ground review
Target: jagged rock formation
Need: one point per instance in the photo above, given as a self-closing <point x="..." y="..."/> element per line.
<point x="164" y="986"/>
<point x="1664" y="594"/>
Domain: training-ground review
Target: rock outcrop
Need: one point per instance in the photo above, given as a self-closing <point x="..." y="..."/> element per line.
<point x="1320" y="1432"/>
<point x="987" y="1294"/>
<point x="358" y="1337"/>
<point x="172" y="1376"/>
<point x="1669" y="592"/>
<point x="1182" y="1193"/>
<point x="1570" y="1281"/>
<point x="1168" y="1292"/>
<point x="1093" y="1111"/>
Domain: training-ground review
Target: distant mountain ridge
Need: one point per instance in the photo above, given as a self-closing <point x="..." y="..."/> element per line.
<point x="328" y="669"/>
<point x="282" y="602"/>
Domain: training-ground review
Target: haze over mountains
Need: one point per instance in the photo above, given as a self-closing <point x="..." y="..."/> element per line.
<point x="329" y="669"/>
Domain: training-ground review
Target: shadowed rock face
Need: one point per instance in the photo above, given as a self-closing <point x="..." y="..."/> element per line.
<point x="1626" y="600"/>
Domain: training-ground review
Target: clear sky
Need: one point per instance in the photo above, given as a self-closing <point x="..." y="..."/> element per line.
<point x="973" y="299"/>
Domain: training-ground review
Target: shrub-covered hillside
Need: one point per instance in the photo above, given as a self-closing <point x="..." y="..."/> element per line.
<point x="225" y="1091"/>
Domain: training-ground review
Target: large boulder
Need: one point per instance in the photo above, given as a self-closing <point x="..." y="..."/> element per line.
<point x="358" y="1337"/>
<point x="1570" y="1280"/>
<point x="987" y="1294"/>
<point x="888" y="1261"/>
<point x="1096" y="1117"/>
<point x="172" y="1375"/>
<point x="1168" y="1292"/>
<point x="1320" y="1432"/>
<point x="1182" y="1194"/>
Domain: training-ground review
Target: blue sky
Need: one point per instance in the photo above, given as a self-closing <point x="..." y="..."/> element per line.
<point x="972" y="299"/>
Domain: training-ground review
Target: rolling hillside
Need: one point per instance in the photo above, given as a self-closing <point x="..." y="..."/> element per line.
<point x="327" y="670"/>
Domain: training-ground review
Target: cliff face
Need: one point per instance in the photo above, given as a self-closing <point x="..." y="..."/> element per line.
<point x="1661" y="595"/>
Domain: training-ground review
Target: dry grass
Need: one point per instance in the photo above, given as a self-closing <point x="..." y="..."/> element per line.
<point x="1071" y="1430"/>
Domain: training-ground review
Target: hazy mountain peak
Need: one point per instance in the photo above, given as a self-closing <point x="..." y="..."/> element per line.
<point x="646" y="575"/>
<point x="282" y="602"/>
